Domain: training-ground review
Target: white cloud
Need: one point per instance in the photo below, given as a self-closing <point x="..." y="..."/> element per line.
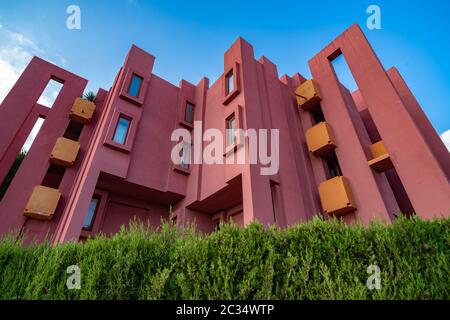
<point x="446" y="139"/>
<point x="16" y="51"/>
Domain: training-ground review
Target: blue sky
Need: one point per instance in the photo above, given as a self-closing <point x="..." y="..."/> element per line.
<point x="189" y="38"/>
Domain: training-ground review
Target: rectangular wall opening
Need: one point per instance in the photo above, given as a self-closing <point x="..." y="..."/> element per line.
<point x="333" y="169"/>
<point x="73" y="130"/>
<point x="20" y="157"/>
<point x="394" y="181"/>
<point x="317" y="115"/>
<point x="344" y="73"/>
<point x="50" y="93"/>
<point x="345" y="77"/>
<point x="274" y="191"/>
<point x="54" y="176"/>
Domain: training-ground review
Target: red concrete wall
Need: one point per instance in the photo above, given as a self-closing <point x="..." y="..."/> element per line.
<point x="139" y="179"/>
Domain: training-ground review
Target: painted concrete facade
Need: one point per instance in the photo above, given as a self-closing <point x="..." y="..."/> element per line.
<point x="137" y="179"/>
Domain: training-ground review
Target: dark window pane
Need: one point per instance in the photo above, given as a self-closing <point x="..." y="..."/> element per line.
<point x="88" y="221"/>
<point x="135" y="86"/>
<point x="121" y="130"/>
<point x="189" y="115"/>
<point x="318" y="115"/>
<point x="334" y="169"/>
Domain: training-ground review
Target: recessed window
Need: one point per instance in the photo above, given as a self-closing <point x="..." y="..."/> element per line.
<point x="231" y="130"/>
<point x="317" y="115"/>
<point x="92" y="210"/>
<point x="185" y="156"/>
<point x="123" y="125"/>
<point x="229" y="85"/>
<point x="50" y="93"/>
<point x="334" y="169"/>
<point x="135" y="86"/>
<point x="189" y="113"/>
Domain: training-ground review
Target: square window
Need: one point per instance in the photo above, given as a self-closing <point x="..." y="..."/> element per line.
<point x="231" y="130"/>
<point x="123" y="125"/>
<point x="92" y="210"/>
<point x="189" y="113"/>
<point x="135" y="86"/>
<point x="229" y="86"/>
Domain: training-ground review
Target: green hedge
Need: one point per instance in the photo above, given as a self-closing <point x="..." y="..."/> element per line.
<point x="315" y="260"/>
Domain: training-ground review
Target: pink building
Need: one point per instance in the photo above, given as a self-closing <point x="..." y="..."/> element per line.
<point x="93" y="167"/>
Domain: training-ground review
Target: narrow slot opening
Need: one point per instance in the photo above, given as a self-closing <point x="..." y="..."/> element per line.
<point x="332" y="165"/>
<point x="345" y="77"/>
<point x="54" y="176"/>
<point x="394" y="181"/>
<point x="20" y="157"/>
<point x="275" y="202"/>
<point x="73" y="130"/>
<point x="50" y="93"/>
<point x="317" y="114"/>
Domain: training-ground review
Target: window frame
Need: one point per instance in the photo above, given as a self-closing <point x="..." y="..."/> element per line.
<point x="229" y="80"/>
<point x="134" y="75"/>
<point x="128" y="74"/>
<point x="188" y="103"/>
<point x="230" y="132"/>
<point x="184" y="169"/>
<point x="99" y="215"/>
<point x="229" y="95"/>
<point x="235" y="112"/>
<point x="129" y="119"/>
<point x="94" y="216"/>
<point x="129" y="140"/>
<point x="186" y="146"/>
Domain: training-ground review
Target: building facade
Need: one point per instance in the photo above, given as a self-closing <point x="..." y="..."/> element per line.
<point x="94" y="166"/>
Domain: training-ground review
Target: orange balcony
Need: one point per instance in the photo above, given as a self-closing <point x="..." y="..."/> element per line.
<point x="336" y="196"/>
<point x="64" y="152"/>
<point x="42" y="203"/>
<point x="320" y="139"/>
<point x="308" y="95"/>
<point x="82" y="111"/>
<point x="381" y="160"/>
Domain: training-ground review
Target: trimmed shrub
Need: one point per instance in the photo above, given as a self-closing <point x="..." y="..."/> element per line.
<point x="314" y="260"/>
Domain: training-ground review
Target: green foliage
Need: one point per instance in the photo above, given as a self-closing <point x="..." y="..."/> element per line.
<point x="90" y="96"/>
<point x="315" y="260"/>
<point x="12" y="172"/>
